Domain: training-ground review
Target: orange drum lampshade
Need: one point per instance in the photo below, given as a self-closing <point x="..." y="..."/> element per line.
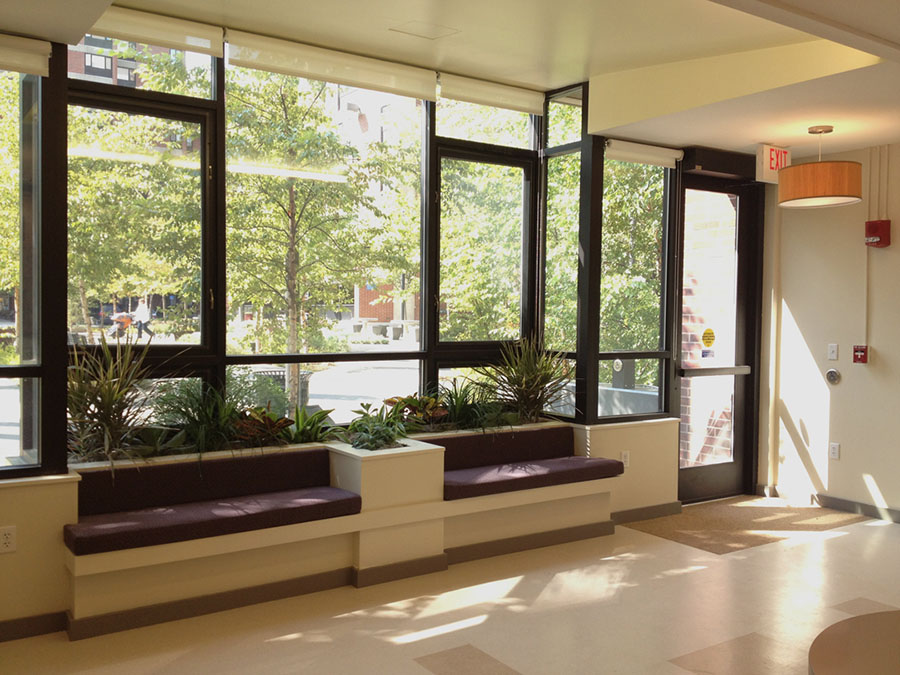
<point x="818" y="184"/>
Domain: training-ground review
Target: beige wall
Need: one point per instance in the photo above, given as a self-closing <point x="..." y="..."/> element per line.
<point x="651" y="479"/>
<point x="33" y="579"/>
<point x="823" y="285"/>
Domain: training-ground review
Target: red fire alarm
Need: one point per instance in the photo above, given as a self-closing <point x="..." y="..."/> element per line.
<point x="860" y="353"/>
<point x="878" y="233"/>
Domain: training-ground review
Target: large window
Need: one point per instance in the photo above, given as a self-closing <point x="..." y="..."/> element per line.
<point x="631" y="287"/>
<point x="561" y="252"/>
<point x="19" y="271"/>
<point x="323" y="216"/>
<point x="135" y="227"/>
<point x="332" y="245"/>
<point x="324" y="234"/>
<point x="482" y="218"/>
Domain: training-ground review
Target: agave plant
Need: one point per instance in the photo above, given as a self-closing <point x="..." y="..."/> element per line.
<point x="527" y="380"/>
<point x="376" y="429"/>
<point x="106" y="404"/>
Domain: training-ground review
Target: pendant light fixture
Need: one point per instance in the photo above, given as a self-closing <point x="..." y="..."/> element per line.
<point x="818" y="184"/>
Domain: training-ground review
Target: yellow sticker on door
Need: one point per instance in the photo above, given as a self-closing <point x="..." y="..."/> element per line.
<point x="709" y="337"/>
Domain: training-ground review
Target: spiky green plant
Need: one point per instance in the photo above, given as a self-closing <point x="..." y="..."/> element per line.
<point x="467" y="404"/>
<point x="105" y="402"/>
<point x="310" y="428"/>
<point x="206" y="417"/>
<point x="528" y="379"/>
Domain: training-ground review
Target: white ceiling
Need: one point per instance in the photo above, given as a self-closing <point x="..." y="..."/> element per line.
<point x="545" y="44"/>
<point x="541" y="44"/>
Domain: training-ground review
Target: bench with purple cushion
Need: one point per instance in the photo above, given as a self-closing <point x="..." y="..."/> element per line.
<point x="480" y="463"/>
<point x="155" y="504"/>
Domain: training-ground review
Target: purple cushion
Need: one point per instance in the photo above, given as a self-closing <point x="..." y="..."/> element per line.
<point x="464" y="451"/>
<point x="487" y="480"/>
<point x="148" y="485"/>
<point x="181" y="522"/>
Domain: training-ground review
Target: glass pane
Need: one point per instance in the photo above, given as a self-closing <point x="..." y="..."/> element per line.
<point x="707" y="434"/>
<point x="19" y="214"/>
<point x="324" y="224"/>
<point x="135" y="214"/>
<point x="481" y="251"/>
<point x="561" y="271"/>
<point x="564" y="119"/>
<point x="629" y="387"/>
<point x="339" y="387"/>
<point x="631" y="276"/>
<point x="19" y="445"/>
<point x="482" y="123"/>
<point x="139" y="66"/>
<point x="709" y="301"/>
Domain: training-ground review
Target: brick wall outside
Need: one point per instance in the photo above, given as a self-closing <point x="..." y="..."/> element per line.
<point x="377" y="311"/>
<point x="383" y="311"/>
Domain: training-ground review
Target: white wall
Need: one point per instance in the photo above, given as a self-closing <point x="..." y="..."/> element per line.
<point x="823" y="285"/>
<point x="651" y="479"/>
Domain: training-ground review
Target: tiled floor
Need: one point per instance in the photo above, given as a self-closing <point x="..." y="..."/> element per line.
<point x="628" y="603"/>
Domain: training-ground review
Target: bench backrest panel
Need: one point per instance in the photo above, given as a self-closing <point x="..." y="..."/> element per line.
<point x="465" y="451"/>
<point x="130" y="488"/>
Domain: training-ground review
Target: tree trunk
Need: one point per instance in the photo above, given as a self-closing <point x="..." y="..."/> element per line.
<point x="18" y="318"/>
<point x="292" y="372"/>
<point x="85" y="314"/>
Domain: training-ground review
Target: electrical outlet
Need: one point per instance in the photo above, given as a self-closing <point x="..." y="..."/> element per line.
<point x="834" y="450"/>
<point x="8" y="539"/>
<point x="626" y="458"/>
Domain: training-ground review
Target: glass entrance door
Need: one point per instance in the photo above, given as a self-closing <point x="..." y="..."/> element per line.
<point x="719" y="338"/>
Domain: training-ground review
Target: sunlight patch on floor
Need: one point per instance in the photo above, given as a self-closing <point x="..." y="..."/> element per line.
<point x="438" y="630"/>
<point x="495" y="592"/>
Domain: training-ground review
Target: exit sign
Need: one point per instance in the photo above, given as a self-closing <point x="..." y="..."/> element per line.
<point x="769" y="159"/>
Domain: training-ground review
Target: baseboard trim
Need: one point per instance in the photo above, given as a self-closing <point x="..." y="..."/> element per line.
<point x="370" y="576"/>
<point x="646" y="512"/>
<point x="91" y="626"/>
<point x="891" y="515"/>
<point x="766" y="490"/>
<point x="525" y="542"/>
<point x="29" y="626"/>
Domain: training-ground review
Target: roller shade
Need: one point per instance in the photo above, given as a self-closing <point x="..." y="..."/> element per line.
<point x="626" y="151"/>
<point x="152" y="29"/>
<point x="490" y="93"/>
<point x="293" y="58"/>
<point x="24" y="55"/>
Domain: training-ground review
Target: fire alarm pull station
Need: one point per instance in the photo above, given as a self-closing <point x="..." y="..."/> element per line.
<point x="860" y="353"/>
<point x="878" y="233"/>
